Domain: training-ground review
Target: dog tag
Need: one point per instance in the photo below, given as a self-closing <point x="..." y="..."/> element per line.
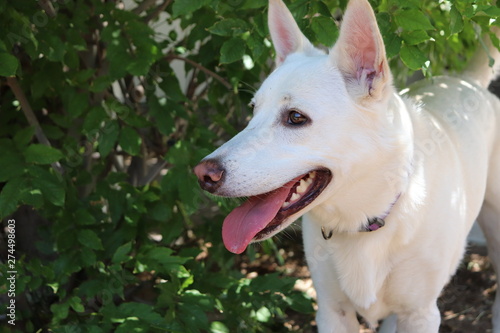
<point x="375" y="224"/>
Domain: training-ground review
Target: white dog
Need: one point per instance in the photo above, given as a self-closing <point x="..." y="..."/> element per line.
<point x="388" y="184"/>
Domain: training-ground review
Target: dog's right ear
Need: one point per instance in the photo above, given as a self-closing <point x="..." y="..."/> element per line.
<point x="285" y="33"/>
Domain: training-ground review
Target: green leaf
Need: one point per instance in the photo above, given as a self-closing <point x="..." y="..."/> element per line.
<point x="391" y="40"/>
<point x="139" y="310"/>
<point x="492" y="11"/>
<point x="8" y="64"/>
<point x="121" y="254"/>
<point x="130" y="141"/>
<point x="218" y="327"/>
<point x="184" y="7"/>
<point x="66" y="263"/>
<point x="91" y="288"/>
<point x="384" y="20"/>
<point x="42" y="154"/>
<point x="134" y="120"/>
<point x="53" y="132"/>
<point x="469" y="12"/>
<point x="100" y="84"/>
<point x="163" y="117"/>
<point x="412" y="19"/>
<point x="392" y="44"/>
<point x="76" y="104"/>
<point x="496" y="42"/>
<point x="160" y="211"/>
<point x="89" y="239"/>
<point x="263" y="314"/>
<point x="163" y="259"/>
<point x="53" y="48"/>
<point x="93" y="120"/>
<point x="71" y="59"/>
<point x="232" y="50"/>
<point x="9" y="196"/>
<point x="325" y="29"/>
<point x="13" y="164"/>
<point x="188" y="194"/>
<point x="456" y="20"/>
<point x="145" y="52"/>
<point x="33" y="198"/>
<point x="229" y="27"/>
<point x="170" y="85"/>
<point x="319" y="7"/>
<point x="412" y="57"/>
<point x="84" y="217"/>
<point x="117" y="52"/>
<point x="87" y="257"/>
<point x="256" y="45"/>
<point x="300" y="303"/>
<point x="50" y="185"/>
<point x="272" y="282"/>
<point x="60" y="311"/>
<point x="141" y="63"/>
<point x="75" y="303"/>
<point x="193" y="316"/>
<point x="107" y="138"/>
<point x="415" y="37"/>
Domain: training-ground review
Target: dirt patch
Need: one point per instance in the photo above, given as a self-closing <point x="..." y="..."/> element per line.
<point x="467" y="300"/>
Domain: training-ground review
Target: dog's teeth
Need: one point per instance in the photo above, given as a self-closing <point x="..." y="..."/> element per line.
<point x="312" y="174"/>
<point x="295" y="197"/>
<point x="302" y="187"/>
<point x="285" y="204"/>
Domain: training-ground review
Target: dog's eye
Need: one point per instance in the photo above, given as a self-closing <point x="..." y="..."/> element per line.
<point x="296" y="118"/>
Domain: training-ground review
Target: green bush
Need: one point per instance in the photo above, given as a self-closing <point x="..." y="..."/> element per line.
<point x="98" y="138"/>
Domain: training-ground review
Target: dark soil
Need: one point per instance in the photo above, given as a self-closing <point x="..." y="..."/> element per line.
<point x="467" y="300"/>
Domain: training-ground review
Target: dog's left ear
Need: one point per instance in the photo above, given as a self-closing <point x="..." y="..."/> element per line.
<point x="359" y="53"/>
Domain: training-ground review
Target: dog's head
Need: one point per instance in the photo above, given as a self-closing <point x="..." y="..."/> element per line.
<point x="320" y="120"/>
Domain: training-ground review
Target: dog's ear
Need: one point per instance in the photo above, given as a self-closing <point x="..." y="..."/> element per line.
<point x="359" y="53"/>
<point x="285" y="33"/>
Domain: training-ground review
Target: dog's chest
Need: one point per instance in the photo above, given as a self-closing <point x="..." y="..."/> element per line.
<point x="347" y="267"/>
<point x="361" y="271"/>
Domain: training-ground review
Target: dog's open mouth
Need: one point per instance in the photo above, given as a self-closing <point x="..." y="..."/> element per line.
<point x="263" y="215"/>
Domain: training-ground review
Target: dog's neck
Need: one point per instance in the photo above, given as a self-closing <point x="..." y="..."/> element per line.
<point x="378" y="222"/>
<point x="374" y="223"/>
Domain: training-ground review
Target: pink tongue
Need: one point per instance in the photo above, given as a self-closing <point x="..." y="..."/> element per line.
<point x="245" y="221"/>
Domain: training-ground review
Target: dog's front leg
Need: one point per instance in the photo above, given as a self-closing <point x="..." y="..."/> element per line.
<point x="335" y="313"/>
<point x="423" y="320"/>
<point x="332" y="319"/>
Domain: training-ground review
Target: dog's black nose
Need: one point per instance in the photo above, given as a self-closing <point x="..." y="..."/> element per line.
<point x="210" y="175"/>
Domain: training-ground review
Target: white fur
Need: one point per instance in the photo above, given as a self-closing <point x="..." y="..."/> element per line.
<point x="437" y="148"/>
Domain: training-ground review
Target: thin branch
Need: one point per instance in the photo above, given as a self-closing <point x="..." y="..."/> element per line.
<point x="157" y="11"/>
<point x="145" y="5"/>
<point x="191" y="88"/>
<point x="30" y="116"/>
<point x="219" y="78"/>
<point x="48" y="8"/>
<point x="152" y="173"/>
